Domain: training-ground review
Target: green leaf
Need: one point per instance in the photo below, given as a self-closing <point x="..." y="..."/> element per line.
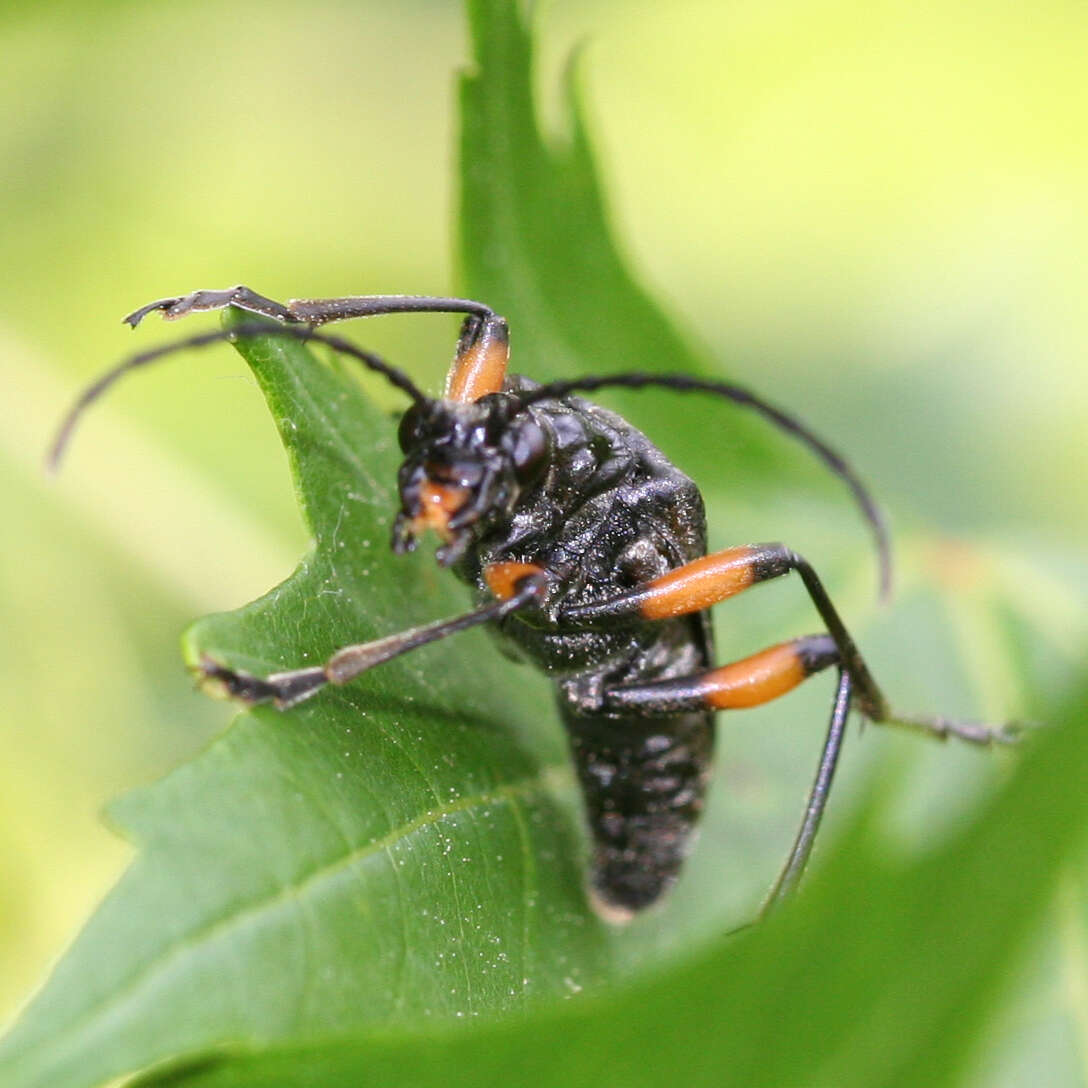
<point x="386" y="853"/>
<point x="536" y="244"/>
<point x="878" y="978"/>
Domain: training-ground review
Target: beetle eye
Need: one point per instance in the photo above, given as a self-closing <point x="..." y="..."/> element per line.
<point x="531" y="450"/>
<point x="408" y="433"/>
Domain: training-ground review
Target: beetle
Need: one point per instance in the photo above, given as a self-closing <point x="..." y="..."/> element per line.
<point x="587" y="552"/>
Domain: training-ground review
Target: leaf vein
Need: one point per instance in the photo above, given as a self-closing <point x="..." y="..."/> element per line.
<point x="511" y="792"/>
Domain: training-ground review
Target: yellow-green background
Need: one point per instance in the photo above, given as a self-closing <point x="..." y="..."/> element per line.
<point x="877" y="212"/>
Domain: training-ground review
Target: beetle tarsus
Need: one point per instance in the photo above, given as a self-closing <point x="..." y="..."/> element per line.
<point x="284" y="689"/>
<point x="133" y="319"/>
<point x="978" y="733"/>
<point x="202" y="301"/>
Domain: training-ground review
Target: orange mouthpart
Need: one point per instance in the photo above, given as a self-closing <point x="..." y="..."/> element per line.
<point x="437" y="504"/>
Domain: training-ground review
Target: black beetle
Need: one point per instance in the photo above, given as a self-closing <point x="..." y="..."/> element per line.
<point x="586" y="549"/>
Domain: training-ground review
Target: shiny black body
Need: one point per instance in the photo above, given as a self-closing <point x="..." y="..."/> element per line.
<point x="610" y="513"/>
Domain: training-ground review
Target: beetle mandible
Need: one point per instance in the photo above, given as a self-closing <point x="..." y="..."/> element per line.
<point x="586" y="549"/>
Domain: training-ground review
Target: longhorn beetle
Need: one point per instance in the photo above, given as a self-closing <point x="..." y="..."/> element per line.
<point x="586" y="549"/>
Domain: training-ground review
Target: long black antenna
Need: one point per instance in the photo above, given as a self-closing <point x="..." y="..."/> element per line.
<point x="684" y="383"/>
<point x="246" y="331"/>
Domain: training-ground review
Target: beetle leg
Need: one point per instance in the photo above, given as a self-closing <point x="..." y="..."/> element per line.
<point x="714" y="578"/>
<point x="741" y="684"/>
<point x="751" y="682"/>
<point x="794" y="868"/>
<point x="287" y="689"/>
<point x="308" y="311"/>
<point x="200" y="301"/>
<point x="755" y="680"/>
<point x="479" y="366"/>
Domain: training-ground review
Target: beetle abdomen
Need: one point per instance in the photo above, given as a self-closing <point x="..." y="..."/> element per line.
<point x="643" y="782"/>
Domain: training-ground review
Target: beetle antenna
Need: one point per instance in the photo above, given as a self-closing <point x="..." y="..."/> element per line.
<point x="248" y="331"/>
<point x="684" y="383"/>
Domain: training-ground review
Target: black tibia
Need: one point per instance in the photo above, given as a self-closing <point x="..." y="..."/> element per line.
<point x="319" y="311"/>
<point x="308" y="311"/>
<point x="872" y="702"/>
<point x="644" y="782"/>
<point x="287" y="689"/>
<point x="352" y="661"/>
<point x="794" y="868"/>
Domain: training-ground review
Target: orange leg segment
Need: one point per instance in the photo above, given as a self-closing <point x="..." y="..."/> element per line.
<point x="503" y="578"/>
<point x="691" y="588"/>
<point x="479" y="367"/>
<point x="768" y="674"/>
<point x="751" y="682"/>
<point x="699" y="584"/>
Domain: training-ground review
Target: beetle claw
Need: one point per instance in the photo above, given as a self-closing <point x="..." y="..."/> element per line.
<point x="285" y="689"/>
<point x="223" y="683"/>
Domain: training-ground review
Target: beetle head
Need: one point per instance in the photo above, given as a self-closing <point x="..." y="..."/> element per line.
<point x="465" y="467"/>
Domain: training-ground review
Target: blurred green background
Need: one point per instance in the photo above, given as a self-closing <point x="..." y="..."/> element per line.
<point x="876" y="214"/>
